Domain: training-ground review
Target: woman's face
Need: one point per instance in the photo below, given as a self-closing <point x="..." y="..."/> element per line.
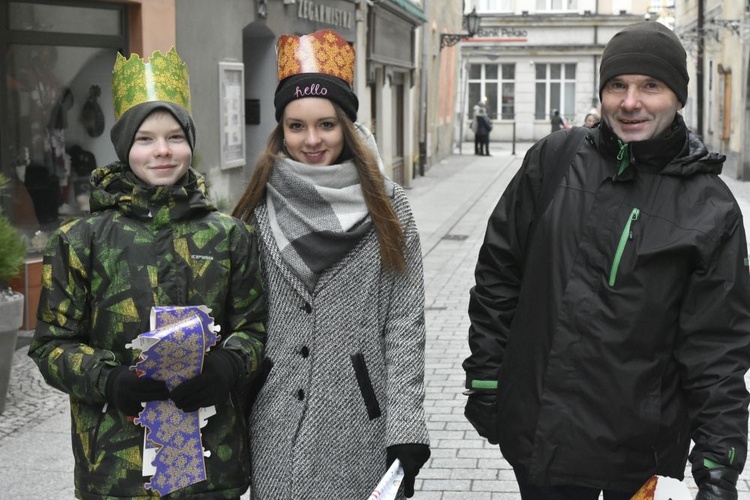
<point x="312" y="132"/>
<point x="160" y="154"/>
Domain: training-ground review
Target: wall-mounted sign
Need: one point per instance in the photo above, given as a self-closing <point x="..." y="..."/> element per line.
<point x="325" y="14"/>
<point x="512" y="33"/>
<point x="232" y="114"/>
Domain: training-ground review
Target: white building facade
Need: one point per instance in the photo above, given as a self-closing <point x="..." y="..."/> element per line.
<point x="532" y="57"/>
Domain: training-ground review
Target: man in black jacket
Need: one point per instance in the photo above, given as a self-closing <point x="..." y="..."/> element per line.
<point x="610" y="324"/>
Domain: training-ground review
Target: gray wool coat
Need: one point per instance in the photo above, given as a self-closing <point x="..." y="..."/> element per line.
<point x="348" y="373"/>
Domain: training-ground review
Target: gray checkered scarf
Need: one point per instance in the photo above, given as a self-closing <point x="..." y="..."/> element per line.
<point x="317" y="214"/>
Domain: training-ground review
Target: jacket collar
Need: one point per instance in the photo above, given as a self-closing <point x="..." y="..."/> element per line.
<point x="676" y="152"/>
<point x="116" y="187"/>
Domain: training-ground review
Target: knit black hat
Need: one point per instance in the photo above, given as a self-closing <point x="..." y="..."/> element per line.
<point x="316" y="85"/>
<point x="646" y="48"/>
<point x="124" y="130"/>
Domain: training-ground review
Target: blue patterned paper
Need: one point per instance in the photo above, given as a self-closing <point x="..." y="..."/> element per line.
<point x="173" y="351"/>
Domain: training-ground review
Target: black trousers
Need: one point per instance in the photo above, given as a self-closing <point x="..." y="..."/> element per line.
<point x="482" y="144"/>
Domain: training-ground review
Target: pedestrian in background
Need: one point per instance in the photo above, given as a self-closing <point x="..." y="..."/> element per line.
<point x="480" y="109"/>
<point x="610" y="325"/>
<point x="342" y="263"/>
<point x="152" y="239"/>
<point x="482" y="126"/>
<point x="591" y="120"/>
<point x="557" y="121"/>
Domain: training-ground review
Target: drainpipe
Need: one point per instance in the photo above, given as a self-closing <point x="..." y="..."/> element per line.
<point x="596" y="59"/>
<point x="699" y="70"/>
<point x="423" y="96"/>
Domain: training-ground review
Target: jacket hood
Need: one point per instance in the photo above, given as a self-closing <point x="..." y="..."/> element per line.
<point x="117" y="187"/>
<point x="680" y="152"/>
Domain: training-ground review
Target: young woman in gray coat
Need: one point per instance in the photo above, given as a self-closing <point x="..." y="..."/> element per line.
<point x="341" y="259"/>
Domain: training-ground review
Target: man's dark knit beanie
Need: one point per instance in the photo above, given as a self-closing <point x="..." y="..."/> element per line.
<point x="646" y="48"/>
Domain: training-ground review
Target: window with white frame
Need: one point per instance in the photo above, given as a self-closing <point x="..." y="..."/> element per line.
<point x="495" y="83"/>
<point x="556" y="5"/>
<point x="485" y="6"/>
<point x="555" y="89"/>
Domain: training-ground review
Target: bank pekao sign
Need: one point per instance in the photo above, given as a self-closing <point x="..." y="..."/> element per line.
<point x="325" y="14"/>
<point x="508" y="34"/>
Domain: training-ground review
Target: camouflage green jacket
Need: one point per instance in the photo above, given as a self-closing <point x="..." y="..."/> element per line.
<point x="144" y="246"/>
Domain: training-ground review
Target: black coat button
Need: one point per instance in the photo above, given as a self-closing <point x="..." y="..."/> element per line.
<point x="301" y="394"/>
<point x="307" y="308"/>
<point x="305" y="352"/>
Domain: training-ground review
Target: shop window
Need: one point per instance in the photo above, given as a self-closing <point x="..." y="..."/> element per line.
<point x="63" y="19"/>
<point x="57" y="63"/>
<point x="555" y="89"/>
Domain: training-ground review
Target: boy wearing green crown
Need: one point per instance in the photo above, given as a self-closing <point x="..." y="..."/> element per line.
<point x="152" y="239"/>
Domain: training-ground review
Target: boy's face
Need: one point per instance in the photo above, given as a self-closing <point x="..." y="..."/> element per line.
<point x="161" y="153"/>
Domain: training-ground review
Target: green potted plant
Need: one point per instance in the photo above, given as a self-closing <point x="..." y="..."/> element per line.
<point x="11" y="303"/>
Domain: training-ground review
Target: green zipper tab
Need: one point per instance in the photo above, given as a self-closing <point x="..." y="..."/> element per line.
<point x="623" y="156"/>
<point x="626" y="235"/>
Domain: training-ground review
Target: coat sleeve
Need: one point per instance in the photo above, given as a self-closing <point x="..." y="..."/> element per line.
<point x="61" y="346"/>
<point x="405" y="342"/>
<point x="498" y="273"/>
<point x="247" y="311"/>
<point x="713" y="351"/>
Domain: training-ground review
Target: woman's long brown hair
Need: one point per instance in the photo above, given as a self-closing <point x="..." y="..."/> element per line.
<point x="387" y="226"/>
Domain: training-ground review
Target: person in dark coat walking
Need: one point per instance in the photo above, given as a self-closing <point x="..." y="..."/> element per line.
<point x="483" y="128"/>
<point x="557" y="121"/>
<point x="610" y="326"/>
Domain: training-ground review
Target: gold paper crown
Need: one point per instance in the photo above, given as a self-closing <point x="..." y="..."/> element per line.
<point x="163" y="78"/>
<point x="321" y="52"/>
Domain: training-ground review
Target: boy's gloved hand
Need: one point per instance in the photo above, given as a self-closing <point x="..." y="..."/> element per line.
<point x="221" y="371"/>
<point x="718" y="483"/>
<point x="412" y="456"/>
<point x="126" y="391"/>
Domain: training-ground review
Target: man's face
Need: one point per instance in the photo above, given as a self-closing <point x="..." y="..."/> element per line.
<point x="638" y="107"/>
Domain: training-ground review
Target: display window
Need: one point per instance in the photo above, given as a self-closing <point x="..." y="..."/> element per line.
<point x="57" y="75"/>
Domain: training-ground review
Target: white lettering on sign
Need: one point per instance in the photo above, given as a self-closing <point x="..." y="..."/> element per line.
<point x="503" y="33"/>
<point x="311" y="11"/>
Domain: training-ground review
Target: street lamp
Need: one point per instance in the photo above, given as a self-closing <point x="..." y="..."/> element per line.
<point x="471" y="21"/>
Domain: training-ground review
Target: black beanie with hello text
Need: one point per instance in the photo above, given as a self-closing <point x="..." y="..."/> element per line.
<point x="646" y="48"/>
<point x="316" y="85"/>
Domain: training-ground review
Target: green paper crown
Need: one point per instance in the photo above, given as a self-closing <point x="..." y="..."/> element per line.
<point x="163" y="78"/>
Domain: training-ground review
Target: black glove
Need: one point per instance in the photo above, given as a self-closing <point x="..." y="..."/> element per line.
<point x="221" y="371"/>
<point x="126" y="391"/>
<point x="481" y="412"/>
<point x="719" y="483"/>
<point x="412" y="457"/>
